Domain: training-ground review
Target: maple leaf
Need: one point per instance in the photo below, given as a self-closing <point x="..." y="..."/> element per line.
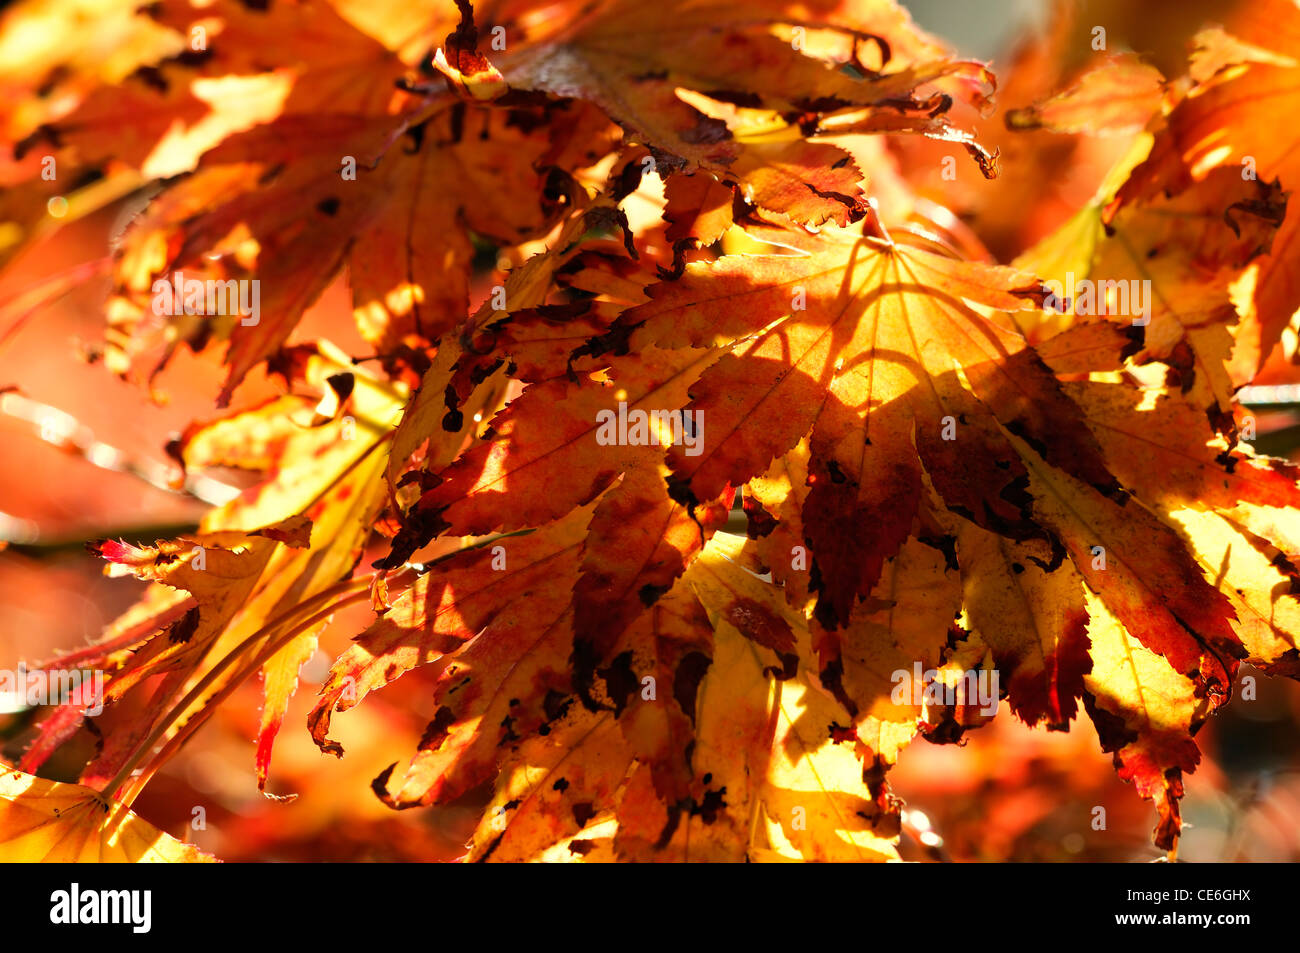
<point x="771" y="767"/>
<point x="950" y="478"/>
<point x="872" y="405"/>
<point x="828" y="377"/>
<point x="1145" y="713"/>
<point x="1033" y="617"/>
<point x="158" y="609"/>
<point x="389" y="215"/>
<point x="846" y="334"/>
<point x="445" y="608"/>
<point x="246" y="593"/>
<point x="1118" y="96"/>
<point x="1244" y="76"/>
<point x="1165" y="268"/>
<point x="600" y="55"/>
<point x="47" y="822"/>
<point x="1234" y="508"/>
<point x="194" y="75"/>
<point x="778" y="747"/>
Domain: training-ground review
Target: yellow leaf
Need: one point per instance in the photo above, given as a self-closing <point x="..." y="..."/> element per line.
<point x="49" y="822"/>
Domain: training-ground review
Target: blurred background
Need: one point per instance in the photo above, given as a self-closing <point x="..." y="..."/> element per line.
<point x="84" y="459"/>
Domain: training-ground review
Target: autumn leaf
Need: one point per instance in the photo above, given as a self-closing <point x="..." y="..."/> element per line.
<point x="1032" y="614"/>
<point x="601" y="56"/>
<point x="1118" y="96"/>
<point x="781" y="751"/>
<point x="48" y="822"/>
<point x="1245" y="77"/>
<point x="1145" y="713"/>
<point x="1166" y="268"/>
<point x="842" y="354"/>
<point x="776" y="769"/>
<point x="366" y="175"/>
<point x="695" y="450"/>
<point x="238" y="588"/>
<point x="442" y="611"/>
